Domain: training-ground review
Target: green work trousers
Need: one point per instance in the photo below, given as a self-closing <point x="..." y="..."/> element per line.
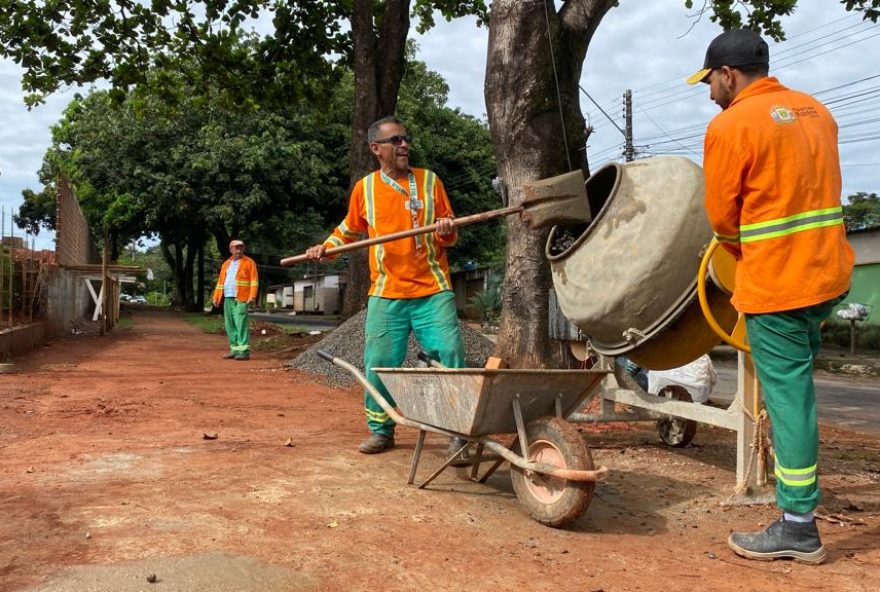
<point x="784" y="345"/>
<point x="434" y="321"/>
<point x="235" y="315"/>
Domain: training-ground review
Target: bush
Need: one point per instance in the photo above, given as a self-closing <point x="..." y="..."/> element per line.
<point x="158" y="299"/>
<point x="488" y="302"/>
<point x="867" y="336"/>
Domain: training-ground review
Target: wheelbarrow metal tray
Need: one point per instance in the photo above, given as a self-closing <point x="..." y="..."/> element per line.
<point x="478" y="402"/>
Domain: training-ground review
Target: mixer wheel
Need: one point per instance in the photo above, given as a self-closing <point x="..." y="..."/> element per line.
<point x="675" y="431"/>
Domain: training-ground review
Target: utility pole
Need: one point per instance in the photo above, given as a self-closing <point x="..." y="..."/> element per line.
<point x="628" y="150"/>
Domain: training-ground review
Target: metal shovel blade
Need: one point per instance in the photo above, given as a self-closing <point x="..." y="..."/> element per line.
<point x="559" y="200"/>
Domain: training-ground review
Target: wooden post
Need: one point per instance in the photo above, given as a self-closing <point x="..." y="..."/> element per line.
<point x="11" y="264"/>
<point x="852" y="336"/>
<point x="105" y="284"/>
<point x="751" y="482"/>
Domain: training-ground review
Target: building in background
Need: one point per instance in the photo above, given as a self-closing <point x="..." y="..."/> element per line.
<point x="319" y="294"/>
<point x="865" y="288"/>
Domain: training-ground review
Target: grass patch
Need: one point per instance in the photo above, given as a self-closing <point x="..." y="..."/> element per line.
<point x="207" y="323"/>
<point x="291" y="329"/>
<point x="125" y="323"/>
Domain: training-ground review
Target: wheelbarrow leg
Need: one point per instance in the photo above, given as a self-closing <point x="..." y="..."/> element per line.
<point x="478" y="456"/>
<point x="442" y="468"/>
<point x="496" y="464"/>
<point x="520" y="426"/>
<point x="417" y="453"/>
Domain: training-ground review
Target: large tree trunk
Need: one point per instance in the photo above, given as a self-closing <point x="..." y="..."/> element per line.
<point x="200" y="280"/>
<point x="378" y="70"/>
<point x="527" y="135"/>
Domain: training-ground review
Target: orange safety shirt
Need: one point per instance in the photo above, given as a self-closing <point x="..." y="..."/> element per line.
<point x="773" y="198"/>
<point x="412" y="267"/>
<point x="246" y="281"/>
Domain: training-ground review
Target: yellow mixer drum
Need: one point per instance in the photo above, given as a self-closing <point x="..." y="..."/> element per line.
<point x="628" y="279"/>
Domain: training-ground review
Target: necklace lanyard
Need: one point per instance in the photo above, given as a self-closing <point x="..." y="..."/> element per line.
<point x="412" y="204"/>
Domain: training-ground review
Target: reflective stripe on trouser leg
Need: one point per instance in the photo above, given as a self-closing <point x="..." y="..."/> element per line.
<point x="784" y="346"/>
<point x="235" y="317"/>
<point x="437" y="329"/>
<point x="386" y="331"/>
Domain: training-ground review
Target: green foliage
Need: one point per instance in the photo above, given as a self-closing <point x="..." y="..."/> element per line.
<point x="871" y="8"/>
<point x="60" y="43"/>
<point x="488" y="302"/>
<point x="862" y="211"/>
<point x="838" y="333"/>
<point x="158" y="299"/>
<point x="207" y="323"/>
<point x="764" y="15"/>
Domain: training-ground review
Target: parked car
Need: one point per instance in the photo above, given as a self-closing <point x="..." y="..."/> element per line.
<point x="124" y="298"/>
<point x="138" y="300"/>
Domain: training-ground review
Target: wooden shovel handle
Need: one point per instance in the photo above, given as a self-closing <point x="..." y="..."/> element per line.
<point x="369" y="242"/>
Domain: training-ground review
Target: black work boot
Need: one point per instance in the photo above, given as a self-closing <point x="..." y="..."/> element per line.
<point x="781" y="540"/>
<point x="462" y="458"/>
<point x="376" y="443"/>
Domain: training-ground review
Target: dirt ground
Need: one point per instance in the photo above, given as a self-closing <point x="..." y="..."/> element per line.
<point x="108" y="483"/>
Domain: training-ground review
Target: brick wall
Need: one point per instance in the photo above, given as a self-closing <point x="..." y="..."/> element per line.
<point x="73" y="241"/>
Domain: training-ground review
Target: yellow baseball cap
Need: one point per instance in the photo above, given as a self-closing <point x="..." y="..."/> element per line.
<point x="735" y="48"/>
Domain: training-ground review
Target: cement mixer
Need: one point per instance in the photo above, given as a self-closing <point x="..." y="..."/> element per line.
<point x="628" y="279"/>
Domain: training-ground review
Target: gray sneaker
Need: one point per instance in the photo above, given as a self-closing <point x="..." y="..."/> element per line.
<point x="781" y="540"/>
<point x="376" y="443"/>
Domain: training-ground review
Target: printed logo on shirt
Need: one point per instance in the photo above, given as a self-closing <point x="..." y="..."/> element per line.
<point x="807" y="111"/>
<point x="782" y="114"/>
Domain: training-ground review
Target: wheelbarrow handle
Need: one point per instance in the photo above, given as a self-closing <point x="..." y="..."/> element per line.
<point x="429" y="360"/>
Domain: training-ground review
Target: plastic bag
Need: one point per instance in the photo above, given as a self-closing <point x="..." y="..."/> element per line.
<point x="697" y="378"/>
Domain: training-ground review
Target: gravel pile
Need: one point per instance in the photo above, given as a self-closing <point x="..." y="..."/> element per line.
<point x="347" y="342"/>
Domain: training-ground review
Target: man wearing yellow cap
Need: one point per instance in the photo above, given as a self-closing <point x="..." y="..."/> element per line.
<point x="773" y="199"/>
<point x="237" y="289"/>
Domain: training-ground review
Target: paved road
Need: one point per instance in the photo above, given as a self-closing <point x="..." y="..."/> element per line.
<point x="310" y="322"/>
<point x="843" y="401"/>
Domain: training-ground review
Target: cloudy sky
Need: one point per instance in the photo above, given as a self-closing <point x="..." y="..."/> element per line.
<point x="648" y="47"/>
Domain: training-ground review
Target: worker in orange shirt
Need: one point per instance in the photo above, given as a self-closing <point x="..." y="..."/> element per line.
<point x="773" y="199"/>
<point x="237" y="289"/>
<point x="410" y="290"/>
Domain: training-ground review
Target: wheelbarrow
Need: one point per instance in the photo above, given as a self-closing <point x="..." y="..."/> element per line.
<point x="553" y="480"/>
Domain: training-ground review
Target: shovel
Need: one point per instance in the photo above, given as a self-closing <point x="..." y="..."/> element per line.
<point x="548" y="202"/>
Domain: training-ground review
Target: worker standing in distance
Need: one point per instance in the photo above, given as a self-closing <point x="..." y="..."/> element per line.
<point x="773" y="200"/>
<point x="410" y="289"/>
<point x="237" y="289"/>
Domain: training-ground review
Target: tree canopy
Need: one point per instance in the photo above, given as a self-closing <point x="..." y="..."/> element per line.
<point x="194" y="170"/>
<point x="862" y="211"/>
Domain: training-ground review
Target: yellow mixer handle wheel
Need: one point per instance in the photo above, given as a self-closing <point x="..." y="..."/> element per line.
<point x="736" y="338"/>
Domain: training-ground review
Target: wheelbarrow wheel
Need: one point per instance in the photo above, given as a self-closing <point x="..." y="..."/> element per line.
<point x="551" y="500"/>
<point x="675" y="431"/>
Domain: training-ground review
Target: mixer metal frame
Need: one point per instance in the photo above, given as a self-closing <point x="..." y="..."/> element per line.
<point x="741" y="416"/>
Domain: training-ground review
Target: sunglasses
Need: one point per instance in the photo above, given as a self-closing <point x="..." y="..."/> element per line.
<point x="395" y="140"/>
